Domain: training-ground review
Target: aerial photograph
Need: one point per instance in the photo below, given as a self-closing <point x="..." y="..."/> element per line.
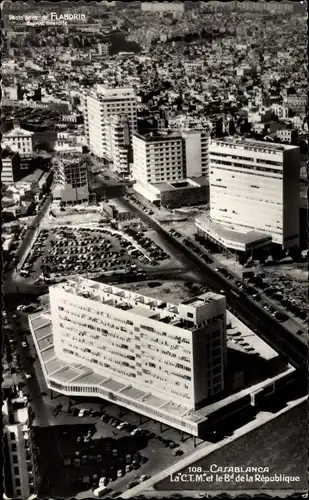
<point x="154" y="249"/>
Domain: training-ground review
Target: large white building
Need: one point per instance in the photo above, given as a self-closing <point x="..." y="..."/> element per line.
<point x="10" y="170"/>
<point x="170" y="166"/>
<point x="171" y="155"/>
<point x="197" y="142"/>
<point x="19" y="140"/>
<point x="161" y="360"/>
<point x="99" y="107"/>
<point x="254" y="185"/>
<point x="118" y="143"/>
<point x="19" y="473"/>
<point x="158" y="157"/>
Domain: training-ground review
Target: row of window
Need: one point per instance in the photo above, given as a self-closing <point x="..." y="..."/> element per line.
<point x="245" y="166"/>
<point x="251" y="173"/>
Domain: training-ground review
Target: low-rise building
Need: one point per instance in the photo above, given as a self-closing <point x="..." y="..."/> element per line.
<point x="19" y="140"/>
<point x="185" y="192"/>
<point x="116" y="210"/>
<point x="287" y="135"/>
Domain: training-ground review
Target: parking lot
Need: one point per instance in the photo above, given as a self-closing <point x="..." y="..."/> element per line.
<point x="94" y="449"/>
<point x="62" y="251"/>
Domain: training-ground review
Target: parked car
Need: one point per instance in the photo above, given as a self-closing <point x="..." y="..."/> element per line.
<point x="82" y="413"/>
<point x="135" y="431"/>
<point x="132" y="485"/>
<point x="178" y="453"/>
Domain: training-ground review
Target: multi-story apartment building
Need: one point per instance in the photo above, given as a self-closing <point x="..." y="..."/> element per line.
<point x="281" y="110"/>
<point x="158" y="359"/>
<point x="10" y="167"/>
<point x="196" y="144"/>
<point x="99" y="107"/>
<point x="287" y="134"/>
<point x="103" y="49"/>
<point x="19" y="140"/>
<point x="254" y="185"/>
<point x="70" y="180"/>
<point x="170" y="155"/>
<point x="296" y="102"/>
<point x="118" y="144"/>
<point x="158" y="157"/>
<point x="19" y="465"/>
<point x="171" y="166"/>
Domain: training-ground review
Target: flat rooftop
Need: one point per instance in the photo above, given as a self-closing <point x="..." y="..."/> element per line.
<point x="131" y="301"/>
<point x="158" y="135"/>
<point x="114" y="92"/>
<point x="221" y="230"/>
<point x="251" y="144"/>
<point x="183" y="184"/>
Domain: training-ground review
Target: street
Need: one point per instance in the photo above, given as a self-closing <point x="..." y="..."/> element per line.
<point x="269" y="329"/>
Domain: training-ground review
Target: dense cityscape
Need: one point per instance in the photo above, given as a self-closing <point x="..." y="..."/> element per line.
<point x="155" y="248"/>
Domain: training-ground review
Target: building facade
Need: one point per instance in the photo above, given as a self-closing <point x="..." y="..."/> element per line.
<point x="161" y="360"/>
<point x="70" y="180"/>
<point x="158" y="157"/>
<point x="171" y="155"/>
<point x="296" y="102"/>
<point x="118" y="144"/>
<point x="287" y="134"/>
<point x="10" y="171"/>
<point x="19" y="466"/>
<point x="255" y="186"/>
<point x="196" y="143"/>
<point x="99" y="107"/>
<point x="19" y="140"/>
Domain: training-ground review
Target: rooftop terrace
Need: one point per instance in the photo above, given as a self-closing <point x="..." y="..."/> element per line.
<point x="133" y="302"/>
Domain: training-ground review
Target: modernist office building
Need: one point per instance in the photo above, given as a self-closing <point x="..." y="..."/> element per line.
<point x="158" y="359"/>
<point x="254" y="186"/>
<point x="99" y="107"/>
<point x="163" y="158"/>
<point x="158" y="157"/>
